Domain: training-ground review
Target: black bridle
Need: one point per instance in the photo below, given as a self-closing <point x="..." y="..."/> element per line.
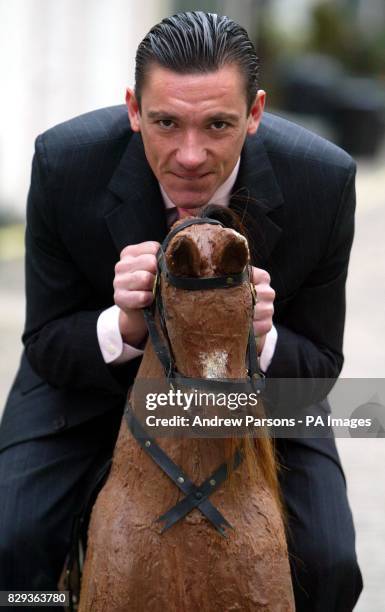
<point x="162" y="348"/>
<point x="195" y="496"/>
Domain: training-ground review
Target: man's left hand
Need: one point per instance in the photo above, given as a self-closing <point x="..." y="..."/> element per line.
<point x="264" y="308"/>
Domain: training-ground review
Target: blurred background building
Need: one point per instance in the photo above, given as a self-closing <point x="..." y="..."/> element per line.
<point x="323" y="64"/>
<point x="60" y="58"/>
<point x="323" y="67"/>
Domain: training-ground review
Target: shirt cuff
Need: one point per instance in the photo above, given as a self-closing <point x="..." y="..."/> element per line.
<point x="112" y="347"/>
<point x="268" y="349"/>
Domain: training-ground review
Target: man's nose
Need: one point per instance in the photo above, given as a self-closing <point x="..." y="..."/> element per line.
<point x="191" y="153"/>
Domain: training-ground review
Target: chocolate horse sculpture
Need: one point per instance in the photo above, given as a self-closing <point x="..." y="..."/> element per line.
<point x="134" y="565"/>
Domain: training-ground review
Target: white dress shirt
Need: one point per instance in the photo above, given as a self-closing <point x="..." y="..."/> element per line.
<point x="115" y="351"/>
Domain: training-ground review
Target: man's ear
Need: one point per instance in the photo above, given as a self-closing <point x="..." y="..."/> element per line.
<point x="133" y="110"/>
<point x="256" y="111"/>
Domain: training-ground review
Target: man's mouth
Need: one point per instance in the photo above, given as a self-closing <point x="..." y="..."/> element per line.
<point x="191" y="177"/>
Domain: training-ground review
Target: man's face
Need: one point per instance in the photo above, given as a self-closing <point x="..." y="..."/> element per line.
<point x="193" y="128"/>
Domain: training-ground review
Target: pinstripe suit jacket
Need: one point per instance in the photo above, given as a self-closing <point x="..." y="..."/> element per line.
<point x="92" y="193"/>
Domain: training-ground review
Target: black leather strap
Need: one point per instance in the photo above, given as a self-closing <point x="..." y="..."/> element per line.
<point x="161" y="347"/>
<point x="192" y="283"/>
<point x="189" y="282"/>
<point x="200" y="495"/>
<point x="196" y="497"/>
<point x="220" y="385"/>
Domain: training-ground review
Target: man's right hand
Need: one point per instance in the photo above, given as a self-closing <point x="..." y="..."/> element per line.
<point x="133" y="282"/>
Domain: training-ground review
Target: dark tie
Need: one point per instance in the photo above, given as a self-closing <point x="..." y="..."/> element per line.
<point x="172" y="215"/>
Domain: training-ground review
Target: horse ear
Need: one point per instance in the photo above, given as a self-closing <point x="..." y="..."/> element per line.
<point x="232" y="255"/>
<point x="183" y="257"/>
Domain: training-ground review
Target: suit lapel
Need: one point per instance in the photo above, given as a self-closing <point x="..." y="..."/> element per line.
<point x="140" y="214"/>
<point x="255" y="197"/>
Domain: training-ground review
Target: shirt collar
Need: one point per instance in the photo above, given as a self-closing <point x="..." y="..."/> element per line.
<point x="220" y="197"/>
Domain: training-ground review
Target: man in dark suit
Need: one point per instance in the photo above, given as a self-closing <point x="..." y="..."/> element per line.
<point x="101" y="185"/>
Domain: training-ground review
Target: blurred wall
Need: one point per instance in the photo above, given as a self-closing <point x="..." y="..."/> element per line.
<point x="371" y="14"/>
<point x="60" y="58"/>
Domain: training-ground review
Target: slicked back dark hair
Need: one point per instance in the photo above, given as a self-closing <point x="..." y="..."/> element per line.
<point x="197" y="42"/>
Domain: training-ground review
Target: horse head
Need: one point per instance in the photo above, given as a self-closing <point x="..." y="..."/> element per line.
<point x="208" y="329"/>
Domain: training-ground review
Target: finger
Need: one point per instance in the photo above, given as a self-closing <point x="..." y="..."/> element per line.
<point x="264" y="293"/>
<point x="262" y="327"/>
<point x="130" y="263"/>
<point x="132" y="300"/>
<point x="140" y="280"/>
<point x="150" y="247"/>
<point x="259" y="276"/>
<point x="263" y="311"/>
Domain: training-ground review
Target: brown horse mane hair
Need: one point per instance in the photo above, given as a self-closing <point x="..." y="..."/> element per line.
<point x="259" y="452"/>
<point x="225" y="215"/>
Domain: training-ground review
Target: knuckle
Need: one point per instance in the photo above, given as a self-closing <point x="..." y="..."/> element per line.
<point x="154" y="247"/>
<point x="148" y="264"/>
<point x="262" y="327"/>
<point x="126" y="251"/>
<point x="263" y="313"/>
<point x="261" y="295"/>
<point x="265" y="293"/>
<point x="149" y="278"/>
<point x="266" y="277"/>
<point x="123" y="264"/>
<point x="153" y="263"/>
<point x="117" y="297"/>
<point x="256" y="275"/>
<point x="145" y="298"/>
<point x="267" y="327"/>
<point x="144" y="279"/>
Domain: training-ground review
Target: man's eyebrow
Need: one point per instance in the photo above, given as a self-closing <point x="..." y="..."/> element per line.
<point x="160" y="115"/>
<point x="223" y="117"/>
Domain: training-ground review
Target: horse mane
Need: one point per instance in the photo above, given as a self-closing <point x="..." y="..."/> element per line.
<point x="225" y="215"/>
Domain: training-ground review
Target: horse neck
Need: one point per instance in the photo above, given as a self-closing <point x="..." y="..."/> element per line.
<point x="199" y="457"/>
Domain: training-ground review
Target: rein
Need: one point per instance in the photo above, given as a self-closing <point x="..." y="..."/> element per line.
<point x="195" y="496"/>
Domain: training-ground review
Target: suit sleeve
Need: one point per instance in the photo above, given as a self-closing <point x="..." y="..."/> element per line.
<point x="60" y="332"/>
<point x="310" y="334"/>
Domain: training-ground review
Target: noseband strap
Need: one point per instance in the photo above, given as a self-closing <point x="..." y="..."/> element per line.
<point x="191" y="283"/>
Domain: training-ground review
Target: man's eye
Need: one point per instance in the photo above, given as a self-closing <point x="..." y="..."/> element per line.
<point x="166" y="123"/>
<point x="219" y="125"/>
